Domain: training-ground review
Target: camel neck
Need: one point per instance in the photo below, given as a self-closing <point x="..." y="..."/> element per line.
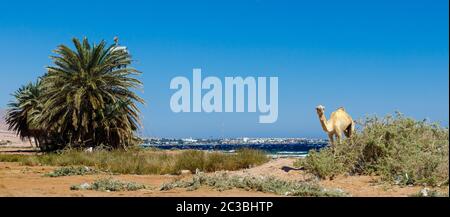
<point x="323" y="122"/>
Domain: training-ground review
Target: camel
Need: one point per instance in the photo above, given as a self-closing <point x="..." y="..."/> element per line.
<point x="339" y="122"/>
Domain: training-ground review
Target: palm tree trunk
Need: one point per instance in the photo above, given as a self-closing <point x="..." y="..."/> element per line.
<point x="29" y="139"/>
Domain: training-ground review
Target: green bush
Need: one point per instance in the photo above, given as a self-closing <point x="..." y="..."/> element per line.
<point x="399" y="149"/>
<point x="323" y="164"/>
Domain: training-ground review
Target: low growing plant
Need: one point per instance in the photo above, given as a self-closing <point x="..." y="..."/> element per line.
<point x="109" y="184"/>
<point x="267" y="184"/>
<point x="72" y="171"/>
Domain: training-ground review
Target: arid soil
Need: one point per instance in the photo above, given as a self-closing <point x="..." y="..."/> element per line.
<point x="18" y="180"/>
<point x="359" y="186"/>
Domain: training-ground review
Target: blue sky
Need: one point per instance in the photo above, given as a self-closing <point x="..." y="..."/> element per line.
<point x="372" y="57"/>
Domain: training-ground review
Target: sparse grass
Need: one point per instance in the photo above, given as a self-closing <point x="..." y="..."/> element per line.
<point x="215" y="161"/>
<point x="72" y="171"/>
<point x="268" y="184"/>
<point x="141" y="161"/>
<point x="109" y="184"/>
<point x="190" y="160"/>
<point x="399" y="149"/>
<point x="11" y="157"/>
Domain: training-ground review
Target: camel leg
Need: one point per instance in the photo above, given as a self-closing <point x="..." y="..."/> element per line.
<point x="332" y="143"/>
<point x="331" y="138"/>
<point x="339" y="137"/>
<point x="352" y="129"/>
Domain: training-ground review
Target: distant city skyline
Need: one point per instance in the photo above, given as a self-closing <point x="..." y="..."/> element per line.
<point x="372" y="57"/>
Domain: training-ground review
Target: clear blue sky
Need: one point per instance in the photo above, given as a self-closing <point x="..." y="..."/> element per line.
<point x="372" y="57"/>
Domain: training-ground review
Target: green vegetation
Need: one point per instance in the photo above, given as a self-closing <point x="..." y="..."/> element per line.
<point x="140" y="161"/>
<point x="109" y="184"/>
<point x="11" y="157"/>
<point x="399" y="149"/>
<point x="72" y="171"/>
<point x="23" y="109"/>
<point x="84" y="100"/>
<point x="269" y="184"/>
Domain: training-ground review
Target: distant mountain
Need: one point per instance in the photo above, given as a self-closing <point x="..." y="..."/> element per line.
<point x="3" y="125"/>
<point x="6" y="135"/>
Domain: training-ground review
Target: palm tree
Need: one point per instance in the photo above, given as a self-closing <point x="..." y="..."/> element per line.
<point x="24" y="110"/>
<point x="119" y="124"/>
<point x="87" y="95"/>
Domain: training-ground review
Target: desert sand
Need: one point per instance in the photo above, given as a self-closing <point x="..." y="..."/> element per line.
<point x="20" y="180"/>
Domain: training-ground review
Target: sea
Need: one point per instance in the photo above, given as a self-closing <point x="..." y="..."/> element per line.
<point x="273" y="150"/>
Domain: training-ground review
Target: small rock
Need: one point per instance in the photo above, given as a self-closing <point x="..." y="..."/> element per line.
<point x="185" y="172"/>
<point x="85" y="186"/>
<point x="338" y="190"/>
<point x="89" y="150"/>
<point x="197" y="171"/>
<point x="424" y="192"/>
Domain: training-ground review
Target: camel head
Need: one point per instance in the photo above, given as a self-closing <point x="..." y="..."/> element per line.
<point x="320" y="109"/>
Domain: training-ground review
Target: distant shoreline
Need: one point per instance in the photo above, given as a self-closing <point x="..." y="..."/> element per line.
<point x="273" y="150"/>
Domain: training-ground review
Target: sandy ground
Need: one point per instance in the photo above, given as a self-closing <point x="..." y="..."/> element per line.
<point x="18" y="180"/>
<point x="281" y="168"/>
<point x="357" y="186"/>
